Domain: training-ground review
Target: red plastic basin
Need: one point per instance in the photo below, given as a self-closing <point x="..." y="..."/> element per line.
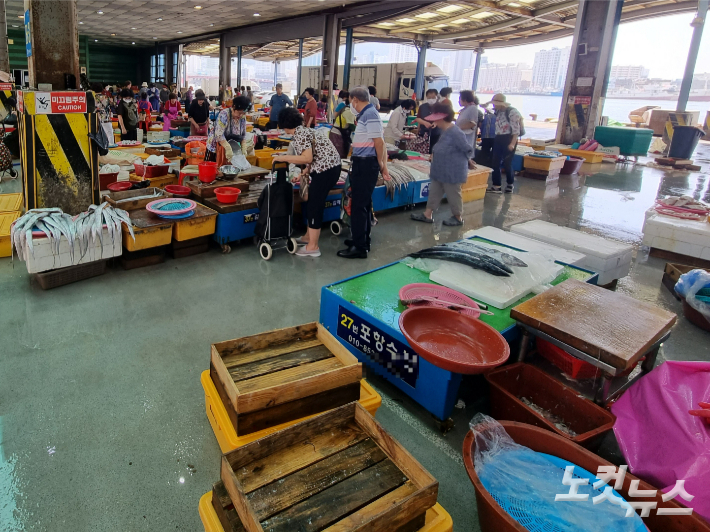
<point x="493" y="518"/>
<point x="178" y="191"/>
<point x="207" y="172"/>
<point x="119" y="186"/>
<point x="453" y="341"/>
<point x="227" y="194"/>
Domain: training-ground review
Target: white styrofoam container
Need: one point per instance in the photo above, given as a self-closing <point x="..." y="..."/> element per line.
<point x="527" y="244"/>
<point x="601" y="254"/>
<point x="617" y="273"/>
<point x="43" y="259"/>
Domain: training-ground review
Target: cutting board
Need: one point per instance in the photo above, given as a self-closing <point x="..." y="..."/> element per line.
<point x="606" y="325"/>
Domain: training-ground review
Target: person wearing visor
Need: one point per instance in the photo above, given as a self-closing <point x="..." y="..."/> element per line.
<point x="231" y="125"/>
<point x="449" y="166"/>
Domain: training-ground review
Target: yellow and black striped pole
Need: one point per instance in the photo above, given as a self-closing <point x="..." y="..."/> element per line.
<point x="5" y="107"/>
<point x="59" y="160"/>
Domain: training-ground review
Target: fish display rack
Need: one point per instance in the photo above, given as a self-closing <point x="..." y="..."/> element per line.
<point x="339" y="471"/>
<point x="283" y="375"/>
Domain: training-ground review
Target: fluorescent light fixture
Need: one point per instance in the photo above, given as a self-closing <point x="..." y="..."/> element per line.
<point x="257" y="15"/>
<point x="179" y="32"/>
<point x="15" y="26"/>
<point x="450" y="9"/>
<point x="198" y="7"/>
<point x="405" y="20"/>
<point x="96" y="40"/>
<point x="441" y="25"/>
<point x="80" y="22"/>
<point x="385" y="24"/>
<point x="513" y="4"/>
<point x="113" y="35"/>
<point x="482" y="14"/>
<point x="160" y="18"/>
<point x="461" y="21"/>
<point x="426" y="15"/>
<point x="133" y="43"/>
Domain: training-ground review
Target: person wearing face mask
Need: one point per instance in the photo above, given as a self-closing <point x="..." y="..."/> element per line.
<point x="427" y="128"/>
<point x="231" y="125"/>
<point x="128" y="115"/>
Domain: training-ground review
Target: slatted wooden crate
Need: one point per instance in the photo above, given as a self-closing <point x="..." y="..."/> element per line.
<point x="337" y="472"/>
<point x="279" y="376"/>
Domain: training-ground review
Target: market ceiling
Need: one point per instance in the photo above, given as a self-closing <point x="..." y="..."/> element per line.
<point x="462" y="24"/>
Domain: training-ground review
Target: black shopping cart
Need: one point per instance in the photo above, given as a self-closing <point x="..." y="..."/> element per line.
<point x="275" y="225"/>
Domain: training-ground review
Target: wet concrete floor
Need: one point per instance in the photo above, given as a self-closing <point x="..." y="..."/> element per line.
<point x="102" y="414"/>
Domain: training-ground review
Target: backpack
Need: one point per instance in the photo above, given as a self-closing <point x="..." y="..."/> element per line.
<point x="131" y="118"/>
<point x="522" y="124"/>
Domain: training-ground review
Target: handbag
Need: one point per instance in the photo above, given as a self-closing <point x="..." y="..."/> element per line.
<point x="306" y="176"/>
<point x="419" y="144"/>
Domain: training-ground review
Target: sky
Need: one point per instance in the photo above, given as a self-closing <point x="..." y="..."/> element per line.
<point x="659" y="44"/>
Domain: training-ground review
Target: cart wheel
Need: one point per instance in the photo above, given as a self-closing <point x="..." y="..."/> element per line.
<point x="265" y="251"/>
<point x="13" y="174"/>
<point x="336" y="227"/>
<point x="292" y="246"/>
<point x="226" y="249"/>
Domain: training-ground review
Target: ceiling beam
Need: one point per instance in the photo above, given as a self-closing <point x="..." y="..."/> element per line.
<point x="417" y="27"/>
<point x="544" y="14"/>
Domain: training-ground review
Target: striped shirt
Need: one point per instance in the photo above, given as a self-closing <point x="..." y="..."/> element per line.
<point x="369" y="127"/>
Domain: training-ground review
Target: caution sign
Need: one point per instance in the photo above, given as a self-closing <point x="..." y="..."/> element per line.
<point x="58" y="102"/>
<point x="60" y="164"/>
<point x="5" y="95"/>
<point x="578" y="111"/>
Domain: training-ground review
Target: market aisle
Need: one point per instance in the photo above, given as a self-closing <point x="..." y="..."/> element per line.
<point x="102" y="420"/>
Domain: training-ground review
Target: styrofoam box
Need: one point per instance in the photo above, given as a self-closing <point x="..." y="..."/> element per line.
<point x="601" y="254"/>
<point x="42" y="258"/>
<point x="526" y="244"/>
<point x="686" y="237"/>
<point x="617" y="273"/>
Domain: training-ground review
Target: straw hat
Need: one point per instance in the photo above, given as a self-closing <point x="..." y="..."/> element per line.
<point x="499" y="99"/>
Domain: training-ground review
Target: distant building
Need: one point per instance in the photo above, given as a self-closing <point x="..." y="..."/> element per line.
<point x="497" y="77"/>
<point x="628" y="72"/>
<point x="402" y="53"/>
<point x="701" y="82"/>
<point x="549" y="69"/>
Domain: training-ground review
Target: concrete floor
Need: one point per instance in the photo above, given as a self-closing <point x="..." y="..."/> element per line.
<point x="102" y="420"/>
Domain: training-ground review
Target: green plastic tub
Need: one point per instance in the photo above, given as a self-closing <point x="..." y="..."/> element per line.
<point x="630" y="141"/>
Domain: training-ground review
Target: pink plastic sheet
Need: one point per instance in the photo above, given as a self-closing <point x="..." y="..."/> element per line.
<point x="660" y="441"/>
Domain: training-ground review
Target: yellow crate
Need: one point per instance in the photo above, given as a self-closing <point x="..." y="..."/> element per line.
<point x="6" y="220"/>
<point x="437" y="519"/>
<point x="195" y="227"/>
<point x="473" y="193"/>
<point x="252" y="160"/>
<point x="543" y="163"/>
<point x="224" y="430"/>
<point x="477" y="177"/>
<point x="10" y="202"/>
<point x="150" y="237"/>
<point x="588" y="156"/>
<point x="264" y="162"/>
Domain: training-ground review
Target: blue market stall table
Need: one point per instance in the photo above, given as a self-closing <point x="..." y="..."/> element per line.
<point x="363" y="313"/>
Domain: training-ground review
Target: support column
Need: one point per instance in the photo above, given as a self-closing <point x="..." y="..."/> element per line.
<point x="225" y="76"/>
<point x="348" y="58"/>
<point x="55" y="43"/>
<point x="329" y="65"/>
<point x="4" y="52"/>
<point x="698" y="24"/>
<point x="589" y="68"/>
<point x="276" y="73"/>
<point x="239" y="66"/>
<point x="299" y="90"/>
<point x="477" y="68"/>
<point x="421" y="65"/>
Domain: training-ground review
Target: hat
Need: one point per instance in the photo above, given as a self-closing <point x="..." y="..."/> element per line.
<point x="435" y="116"/>
<point x="199" y="94"/>
<point x="144" y="84"/>
<point x="499" y="99"/>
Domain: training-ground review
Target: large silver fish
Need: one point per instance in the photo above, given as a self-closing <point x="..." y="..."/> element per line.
<point x="506" y="258"/>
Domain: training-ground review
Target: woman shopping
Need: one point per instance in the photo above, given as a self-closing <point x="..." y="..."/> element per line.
<point x="171" y="110"/>
<point x="322" y="162"/>
<point x="231" y="125"/>
<point x="199" y="114"/>
<point x="395" y="126"/>
<point x="449" y="166"/>
<point x="144" y="110"/>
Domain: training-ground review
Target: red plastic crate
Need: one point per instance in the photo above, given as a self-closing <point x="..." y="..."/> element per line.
<point x="573" y="367"/>
<point x="149" y="172"/>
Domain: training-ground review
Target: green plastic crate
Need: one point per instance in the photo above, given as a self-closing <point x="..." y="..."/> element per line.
<point x="630" y="141"/>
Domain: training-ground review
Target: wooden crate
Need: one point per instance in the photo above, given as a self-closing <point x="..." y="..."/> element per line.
<point x="125" y="199"/>
<point x="170" y="153"/>
<point x="279" y="376"/>
<point x="339" y="471"/>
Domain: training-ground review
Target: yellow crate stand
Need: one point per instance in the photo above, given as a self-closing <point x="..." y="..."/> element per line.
<point x="437" y="519"/>
<point x="195" y="227"/>
<point x="224" y="430"/>
<point x="6" y="220"/>
<point x="10" y="202"/>
<point x="146" y="238"/>
<point x="588" y="156"/>
<point x="477" y="177"/>
<point x="543" y="163"/>
<point x="473" y="193"/>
